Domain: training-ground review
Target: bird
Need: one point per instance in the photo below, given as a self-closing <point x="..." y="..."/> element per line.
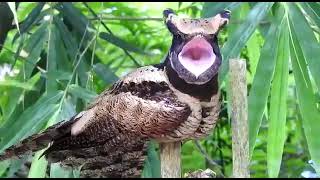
<point x="175" y="100"/>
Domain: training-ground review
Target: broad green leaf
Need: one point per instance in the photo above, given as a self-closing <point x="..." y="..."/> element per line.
<point x="306" y="98"/>
<point x="105" y="73"/>
<point x="31" y="120"/>
<point x="16" y="84"/>
<point x="72" y="49"/>
<point x="12" y="6"/>
<point x="121" y="43"/>
<point x="19" y="49"/>
<point x="63" y="62"/>
<point x="38" y="166"/>
<point x="30" y="20"/>
<point x="52" y="54"/>
<point x="278" y="102"/>
<point x="238" y="16"/>
<point x="259" y="91"/>
<point x="59" y="75"/>
<point x="77" y="20"/>
<point x="67" y="110"/>
<point x="253" y="47"/>
<point x="307" y="41"/>
<point x="82" y="93"/>
<point x="4" y="165"/>
<point x="56" y="171"/>
<point x="15" y="165"/>
<point x="34" y="48"/>
<point x="313" y="10"/>
<point x="12" y="89"/>
<point x="213" y="8"/>
<point x="238" y="39"/>
<point x="152" y="162"/>
<point x="69" y="41"/>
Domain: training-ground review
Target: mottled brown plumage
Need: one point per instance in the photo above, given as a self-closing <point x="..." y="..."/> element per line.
<point x="108" y="139"/>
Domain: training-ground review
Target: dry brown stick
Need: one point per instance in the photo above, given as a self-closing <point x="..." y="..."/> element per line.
<point x="170" y="159"/>
<point x="239" y="118"/>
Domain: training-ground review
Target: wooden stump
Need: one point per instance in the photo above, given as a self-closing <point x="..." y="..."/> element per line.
<point x="170" y="160"/>
<point x="239" y="118"/>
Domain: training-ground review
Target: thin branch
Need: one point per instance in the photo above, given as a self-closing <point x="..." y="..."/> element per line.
<point x="205" y="153"/>
<point x="124" y="18"/>
<point x="128" y="18"/>
<point x="105" y="26"/>
<point x="220" y="151"/>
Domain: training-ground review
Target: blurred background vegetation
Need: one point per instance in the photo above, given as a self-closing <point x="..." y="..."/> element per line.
<point x="56" y="57"/>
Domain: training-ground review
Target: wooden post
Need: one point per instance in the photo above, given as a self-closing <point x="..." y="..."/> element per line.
<point x="239" y="118"/>
<point x="170" y="159"/>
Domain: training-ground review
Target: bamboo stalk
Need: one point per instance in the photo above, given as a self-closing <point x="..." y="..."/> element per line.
<point x="239" y="118"/>
<point x="170" y="159"/>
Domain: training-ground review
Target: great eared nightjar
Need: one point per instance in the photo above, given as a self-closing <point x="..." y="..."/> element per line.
<point x="175" y="100"/>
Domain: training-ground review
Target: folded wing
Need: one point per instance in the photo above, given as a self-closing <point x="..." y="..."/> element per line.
<point x="109" y="138"/>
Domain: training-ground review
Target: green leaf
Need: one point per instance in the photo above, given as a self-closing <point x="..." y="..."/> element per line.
<point x="72" y="50"/>
<point x="259" y="91"/>
<point x="307" y="40"/>
<point x="238" y="15"/>
<point x="313" y="10"/>
<point x="121" y="43"/>
<point x="38" y="166"/>
<point x="253" y="47"/>
<point x="4" y="165"/>
<point x="52" y="53"/>
<point x="105" y="73"/>
<point x="15" y="165"/>
<point x="59" y="75"/>
<point x="77" y="20"/>
<point x="34" y="47"/>
<point x="7" y="100"/>
<point x="82" y="93"/>
<point x="151" y="167"/>
<point x="278" y="102"/>
<point x="30" y="20"/>
<point x="68" y="39"/>
<point x="12" y="6"/>
<point x="306" y="98"/>
<point x="213" y="8"/>
<point x="31" y="120"/>
<point x="56" y="171"/>
<point x="238" y="39"/>
<point x="17" y="84"/>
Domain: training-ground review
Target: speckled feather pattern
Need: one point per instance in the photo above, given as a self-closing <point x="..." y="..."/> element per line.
<point x="109" y="138"/>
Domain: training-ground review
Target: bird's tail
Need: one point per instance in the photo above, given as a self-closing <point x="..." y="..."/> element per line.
<point x="38" y="141"/>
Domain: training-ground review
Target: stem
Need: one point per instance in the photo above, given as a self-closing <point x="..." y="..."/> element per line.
<point x="105" y="26"/>
<point x="239" y="118"/>
<point x="170" y="159"/>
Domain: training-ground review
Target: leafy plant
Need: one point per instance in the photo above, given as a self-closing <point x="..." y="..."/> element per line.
<point x="292" y="35"/>
<point x="64" y="54"/>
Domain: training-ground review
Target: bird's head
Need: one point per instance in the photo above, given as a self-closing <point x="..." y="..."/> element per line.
<point x="194" y="54"/>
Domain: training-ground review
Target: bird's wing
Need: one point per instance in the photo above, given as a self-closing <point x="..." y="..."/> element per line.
<point x="109" y="138"/>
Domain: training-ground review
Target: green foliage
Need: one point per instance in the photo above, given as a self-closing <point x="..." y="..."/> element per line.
<point x="64" y="54"/>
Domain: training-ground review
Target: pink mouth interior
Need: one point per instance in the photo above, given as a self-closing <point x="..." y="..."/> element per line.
<point x="197" y="56"/>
